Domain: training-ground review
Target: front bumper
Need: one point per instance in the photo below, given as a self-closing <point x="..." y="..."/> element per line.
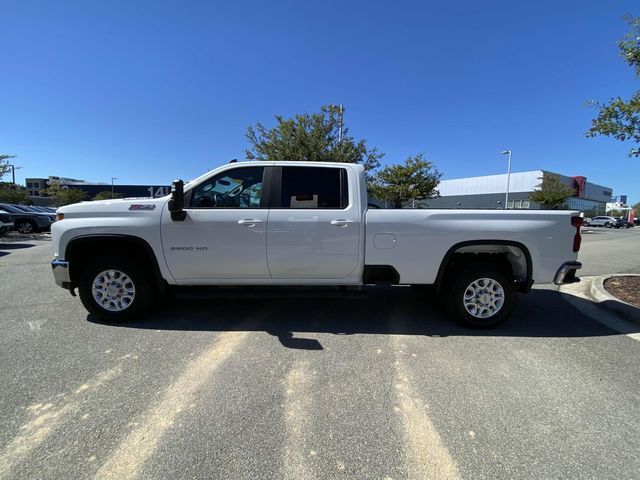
<point x="567" y="273"/>
<point x="61" y="273"/>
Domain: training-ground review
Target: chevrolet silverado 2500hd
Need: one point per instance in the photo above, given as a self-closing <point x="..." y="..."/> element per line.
<point x="304" y="223"/>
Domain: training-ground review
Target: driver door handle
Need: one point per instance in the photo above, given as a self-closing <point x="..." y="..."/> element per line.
<point x="341" y="223"/>
<point x="249" y="222"/>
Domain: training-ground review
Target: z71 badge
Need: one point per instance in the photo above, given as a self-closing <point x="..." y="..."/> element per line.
<point x="142" y="206"/>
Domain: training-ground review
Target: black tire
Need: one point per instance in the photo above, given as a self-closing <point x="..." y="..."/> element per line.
<point x="608" y="225"/>
<point x="464" y="278"/>
<point x="25" y="226"/>
<point x="142" y="283"/>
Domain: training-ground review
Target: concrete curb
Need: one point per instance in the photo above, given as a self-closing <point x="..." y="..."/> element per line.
<point x="608" y="301"/>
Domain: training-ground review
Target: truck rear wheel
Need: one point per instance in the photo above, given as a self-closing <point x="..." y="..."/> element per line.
<point x="115" y="289"/>
<point x="482" y="295"/>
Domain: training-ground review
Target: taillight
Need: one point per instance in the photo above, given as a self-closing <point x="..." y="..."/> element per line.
<point x="577" y="239"/>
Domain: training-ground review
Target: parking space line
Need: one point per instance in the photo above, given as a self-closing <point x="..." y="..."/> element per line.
<point x="140" y="444"/>
<point x="47" y="417"/>
<point x="297" y="411"/>
<point x="427" y="457"/>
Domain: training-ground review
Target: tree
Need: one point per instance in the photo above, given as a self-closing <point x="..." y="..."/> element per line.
<point x="4" y="163"/>
<point x="620" y="119"/>
<point x="636" y="209"/>
<point x="107" y="195"/>
<point x="10" y="193"/>
<point x="551" y="193"/>
<point x="308" y="137"/>
<point x="417" y="179"/>
<point x="63" y="195"/>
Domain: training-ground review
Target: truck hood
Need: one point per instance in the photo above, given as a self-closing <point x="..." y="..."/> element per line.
<point x="114" y="208"/>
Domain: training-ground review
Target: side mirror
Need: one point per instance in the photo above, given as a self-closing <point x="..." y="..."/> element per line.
<point x="176" y="204"/>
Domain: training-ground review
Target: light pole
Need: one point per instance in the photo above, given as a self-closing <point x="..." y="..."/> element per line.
<point x="112" y="179"/>
<point x="506" y="197"/>
<point x="13" y="172"/>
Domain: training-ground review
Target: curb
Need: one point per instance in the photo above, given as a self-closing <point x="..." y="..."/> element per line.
<point x="608" y="301"/>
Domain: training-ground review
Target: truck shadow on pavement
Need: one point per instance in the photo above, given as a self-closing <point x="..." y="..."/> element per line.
<point x="289" y="313"/>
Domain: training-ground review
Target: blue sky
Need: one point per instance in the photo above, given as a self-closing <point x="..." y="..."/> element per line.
<point x="151" y="91"/>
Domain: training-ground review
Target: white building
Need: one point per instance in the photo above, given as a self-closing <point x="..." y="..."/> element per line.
<point x="489" y="192"/>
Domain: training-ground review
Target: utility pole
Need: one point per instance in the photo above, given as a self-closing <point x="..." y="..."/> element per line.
<point x="340" y="109"/>
<point x="112" y="179"/>
<point x="340" y="122"/>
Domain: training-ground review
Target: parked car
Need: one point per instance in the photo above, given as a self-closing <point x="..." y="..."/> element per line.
<point x="604" y="221"/>
<point x="28" y="222"/>
<point x="5" y="223"/>
<point x="586" y="222"/>
<point x="34" y="208"/>
<point x="621" y="223"/>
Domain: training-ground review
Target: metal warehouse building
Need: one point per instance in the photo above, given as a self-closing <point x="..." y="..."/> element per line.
<point x="489" y="192"/>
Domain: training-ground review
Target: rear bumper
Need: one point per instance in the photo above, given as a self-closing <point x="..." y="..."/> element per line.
<point x="61" y="273"/>
<point x="567" y="273"/>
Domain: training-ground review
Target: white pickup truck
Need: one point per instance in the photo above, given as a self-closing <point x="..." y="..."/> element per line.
<point x="304" y="223"/>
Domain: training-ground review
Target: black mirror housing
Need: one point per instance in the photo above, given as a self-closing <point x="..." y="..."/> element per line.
<point x="176" y="203"/>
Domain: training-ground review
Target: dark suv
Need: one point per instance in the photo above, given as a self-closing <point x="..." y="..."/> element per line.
<point x="6" y="223"/>
<point x="621" y="223"/>
<point x="25" y="221"/>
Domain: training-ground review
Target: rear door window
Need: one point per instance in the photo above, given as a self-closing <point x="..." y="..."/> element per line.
<point x="314" y="188"/>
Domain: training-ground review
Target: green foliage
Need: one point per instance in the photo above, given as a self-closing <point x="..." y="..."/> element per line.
<point x="617" y="213"/>
<point x="309" y="137"/>
<point x="4" y="164"/>
<point x="636" y="209"/>
<point x="63" y="196"/>
<point x="417" y="179"/>
<point x="10" y="193"/>
<point x="552" y="192"/>
<point x="620" y="119"/>
<point x="107" y="195"/>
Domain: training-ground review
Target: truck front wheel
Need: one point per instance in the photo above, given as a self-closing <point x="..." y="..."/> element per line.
<point x="482" y="295"/>
<point x="115" y="289"/>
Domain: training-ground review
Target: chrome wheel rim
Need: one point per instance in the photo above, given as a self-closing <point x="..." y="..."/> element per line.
<point x="25" y="227"/>
<point x="113" y="290"/>
<point x="483" y="298"/>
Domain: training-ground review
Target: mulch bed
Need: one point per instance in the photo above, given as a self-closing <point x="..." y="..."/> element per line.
<point x="626" y="289"/>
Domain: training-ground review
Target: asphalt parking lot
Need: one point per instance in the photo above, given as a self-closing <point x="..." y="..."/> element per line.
<point x="301" y="384"/>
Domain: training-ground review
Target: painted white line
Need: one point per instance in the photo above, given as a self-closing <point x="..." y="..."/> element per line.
<point x="297" y="409"/>
<point x="47" y="417"/>
<point x="427" y="456"/>
<point x="140" y="444"/>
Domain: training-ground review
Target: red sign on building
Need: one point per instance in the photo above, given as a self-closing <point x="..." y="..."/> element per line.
<point x="579" y="185"/>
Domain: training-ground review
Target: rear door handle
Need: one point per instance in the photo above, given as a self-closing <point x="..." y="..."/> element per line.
<point x="342" y="223"/>
<point x="249" y="222"/>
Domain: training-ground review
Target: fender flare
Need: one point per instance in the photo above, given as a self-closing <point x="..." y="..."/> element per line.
<point x="525" y="287"/>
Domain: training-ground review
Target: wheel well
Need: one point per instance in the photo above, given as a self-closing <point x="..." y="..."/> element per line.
<point x="81" y="250"/>
<point x="512" y="257"/>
